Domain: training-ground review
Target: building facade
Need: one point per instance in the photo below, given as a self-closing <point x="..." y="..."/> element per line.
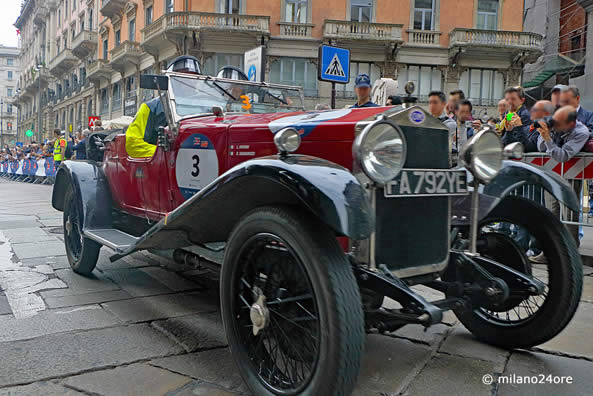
<point x="9" y="75"/>
<point x="58" y="40"/>
<point x="565" y="44"/>
<point x="105" y="45"/>
<point x="585" y="82"/>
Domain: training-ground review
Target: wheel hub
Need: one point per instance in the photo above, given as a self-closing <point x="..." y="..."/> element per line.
<point x="68" y="226"/>
<point x="259" y="314"/>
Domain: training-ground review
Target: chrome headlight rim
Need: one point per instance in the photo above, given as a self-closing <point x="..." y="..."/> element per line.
<point x="287" y="140"/>
<point x="358" y="150"/>
<point x="470" y="156"/>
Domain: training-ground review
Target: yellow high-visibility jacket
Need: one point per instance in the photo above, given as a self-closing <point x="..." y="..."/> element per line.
<point x="136" y="146"/>
<point x="60" y="149"/>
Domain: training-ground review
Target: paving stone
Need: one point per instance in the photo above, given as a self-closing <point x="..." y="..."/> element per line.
<point x="11" y="224"/>
<point x="86" y="299"/>
<point x="136" y="282"/>
<point x="432" y="335"/>
<point x="4" y="305"/>
<point x="50" y="322"/>
<point x="576" y="339"/>
<point x="461" y="342"/>
<point x="34" y="234"/>
<point x="536" y="364"/>
<point x="587" y="289"/>
<point x="198" y="388"/>
<point x="194" y="332"/>
<point x="78" y="284"/>
<point x="51" y="222"/>
<point x="72" y="353"/>
<point x="160" y="307"/>
<point x="56" y="262"/>
<point x="453" y="375"/>
<point x="170" y="279"/>
<point x="41" y="388"/>
<point x="214" y="366"/>
<point x="387" y="362"/>
<point x="141" y="379"/>
<point x="39" y="249"/>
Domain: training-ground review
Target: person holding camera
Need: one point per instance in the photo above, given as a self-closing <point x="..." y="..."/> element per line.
<point x="561" y="136"/>
<point x="516" y="121"/>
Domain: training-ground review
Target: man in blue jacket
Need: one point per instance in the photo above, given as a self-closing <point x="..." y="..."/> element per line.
<point x="570" y="96"/>
<point x="517" y="120"/>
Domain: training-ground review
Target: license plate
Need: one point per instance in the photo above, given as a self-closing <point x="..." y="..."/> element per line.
<point x="427" y="183"/>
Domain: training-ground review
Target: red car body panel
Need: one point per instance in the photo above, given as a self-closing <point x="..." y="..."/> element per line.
<point x="150" y="187"/>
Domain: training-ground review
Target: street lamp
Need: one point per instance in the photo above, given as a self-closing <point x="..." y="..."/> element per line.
<point x="40" y="136"/>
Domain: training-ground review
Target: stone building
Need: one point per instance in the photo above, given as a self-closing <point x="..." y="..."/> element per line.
<point x="9" y="75"/>
<point x="95" y="51"/>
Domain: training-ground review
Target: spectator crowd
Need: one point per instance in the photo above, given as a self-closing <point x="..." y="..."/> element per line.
<point x="560" y="127"/>
<point x="74" y="149"/>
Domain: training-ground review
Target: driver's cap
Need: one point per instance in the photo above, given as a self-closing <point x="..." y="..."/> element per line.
<point x="185" y="64"/>
<point x="232" y="73"/>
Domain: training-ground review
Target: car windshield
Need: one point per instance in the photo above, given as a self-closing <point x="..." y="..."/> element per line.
<point x="197" y="96"/>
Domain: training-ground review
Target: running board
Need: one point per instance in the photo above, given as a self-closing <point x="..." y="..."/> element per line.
<point x="112" y="238"/>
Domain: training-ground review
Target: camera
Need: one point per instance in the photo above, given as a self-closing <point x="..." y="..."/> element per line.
<point x="549" y="121"/>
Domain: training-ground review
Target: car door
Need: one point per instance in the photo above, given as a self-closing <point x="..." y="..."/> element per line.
<point x="197" y="157"/>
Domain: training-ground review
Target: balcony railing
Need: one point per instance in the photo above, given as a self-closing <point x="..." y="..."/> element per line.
<point x="40" y="14"/>
<point x="424" y="38"/>
<point x="351" y="30"/>
<point x="495" y="38"/>
<point x="98" y="69"/>
<point x="206" y="21"/>
<point x="64" y="60"/>
<point x="295" y="30"/>
<point x="109" y="8"/>
<point x="125" y="49"/>
<point x="84" y="43"/>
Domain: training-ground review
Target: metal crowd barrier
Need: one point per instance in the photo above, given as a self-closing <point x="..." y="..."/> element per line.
<point x="578" y="172"/>
<point x="41" y="171"/>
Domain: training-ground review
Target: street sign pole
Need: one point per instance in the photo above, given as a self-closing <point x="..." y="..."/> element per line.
<point x="333" y="100"/>
<point x="334" y="67"/>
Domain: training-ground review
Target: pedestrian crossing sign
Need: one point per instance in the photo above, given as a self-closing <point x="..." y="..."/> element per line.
<point x="334" y="64"/>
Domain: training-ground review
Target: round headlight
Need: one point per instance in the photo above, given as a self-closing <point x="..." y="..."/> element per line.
<point x="381" y="151"/>
<point x="287" y="140"/>
<point x="482" y="155"/>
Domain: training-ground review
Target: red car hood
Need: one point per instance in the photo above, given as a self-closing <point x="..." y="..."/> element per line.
<point x="312" y="125"/>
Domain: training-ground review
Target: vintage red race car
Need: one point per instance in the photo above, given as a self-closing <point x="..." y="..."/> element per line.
<point x="323" y="215"/>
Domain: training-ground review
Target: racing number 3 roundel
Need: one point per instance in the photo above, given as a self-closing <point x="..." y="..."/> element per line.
<point x="196" y="165"/>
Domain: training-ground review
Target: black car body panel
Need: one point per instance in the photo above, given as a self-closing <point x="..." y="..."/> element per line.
<point x="327" y="190"/>
<point x="90" y="187"/>
<point x="512" y="176"/>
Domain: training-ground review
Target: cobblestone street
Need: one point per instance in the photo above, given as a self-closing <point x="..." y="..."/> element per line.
<point x="147" y="326"/>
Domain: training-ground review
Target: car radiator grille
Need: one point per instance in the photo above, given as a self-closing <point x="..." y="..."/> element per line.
<point x="414" y="232"/>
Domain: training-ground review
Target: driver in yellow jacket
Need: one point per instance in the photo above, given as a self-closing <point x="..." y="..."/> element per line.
<point x="142" y="134"/>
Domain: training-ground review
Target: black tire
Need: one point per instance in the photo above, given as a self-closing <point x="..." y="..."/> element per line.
<point x="564" y="287"/>
<point x="335" y="297"/>
<point x="82" y="252"/>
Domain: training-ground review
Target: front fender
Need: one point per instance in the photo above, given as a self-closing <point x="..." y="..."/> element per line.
<point x="514" y="174"/>
<point x="326" y="190"/>
<point x="90" y="188"/>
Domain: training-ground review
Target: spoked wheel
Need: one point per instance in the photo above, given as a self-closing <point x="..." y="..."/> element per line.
<point x="82" y="252"/>
<point x="290" y="306"/>
<point x="524" y="322"/>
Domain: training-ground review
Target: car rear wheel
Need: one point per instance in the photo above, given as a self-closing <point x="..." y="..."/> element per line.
<point x="526" y="322"/>
<point x="82" y="252"/>
<point x="291" y="306"/>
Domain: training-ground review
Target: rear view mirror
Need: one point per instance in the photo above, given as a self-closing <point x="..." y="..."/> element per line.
<point x="153" y="81"/>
